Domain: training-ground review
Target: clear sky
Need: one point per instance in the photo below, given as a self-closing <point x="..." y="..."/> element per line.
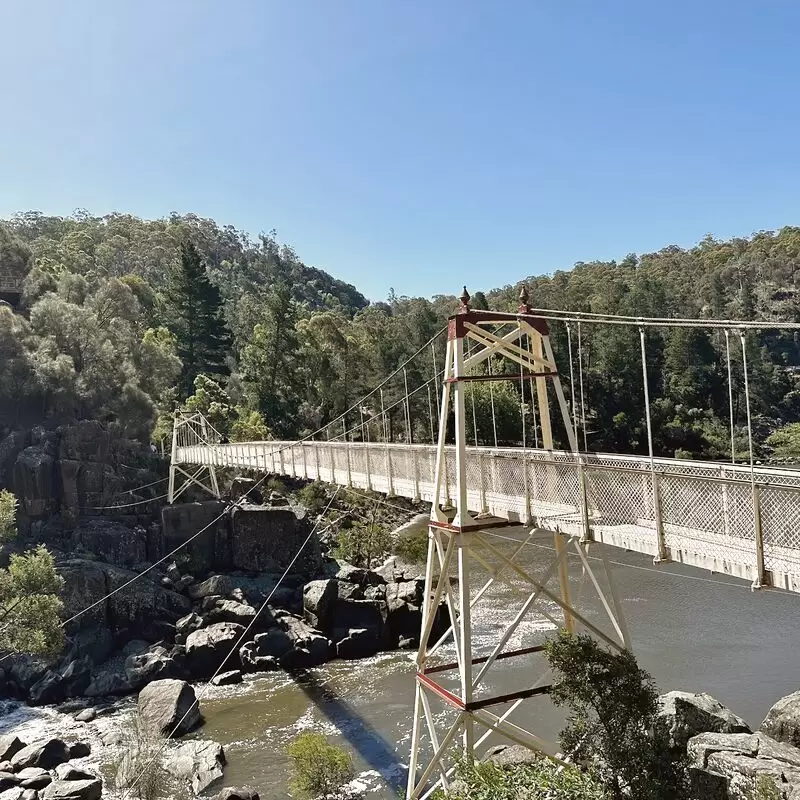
<point x="417" y="144"/>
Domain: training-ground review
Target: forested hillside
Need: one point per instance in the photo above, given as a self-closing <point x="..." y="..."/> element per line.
<point x="121" y="319"/>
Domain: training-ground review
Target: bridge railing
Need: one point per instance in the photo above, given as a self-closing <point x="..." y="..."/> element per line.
<point x="702" y="513"/>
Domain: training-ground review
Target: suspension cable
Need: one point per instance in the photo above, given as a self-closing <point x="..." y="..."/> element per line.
<point x="580" y="380"/>
<point x="730" y="392"/>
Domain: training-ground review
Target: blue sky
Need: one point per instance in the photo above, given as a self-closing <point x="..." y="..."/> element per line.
<point x="415" y="145"/>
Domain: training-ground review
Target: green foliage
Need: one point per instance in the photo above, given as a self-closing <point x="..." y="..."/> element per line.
<point x="612" y="706"/>
<point x="248" y="426"/>
<point x="195" y="317"/>
<point x="140" y="771"/>
<point x="785" y="442"/>
<point x="320" y="769"/>
<point x="412" y="546"/>
<point x="30" y="606"/>
<point x="540" y="780"/>
<point x="764" y="789"/>
<point x="362" y="542"/>
<point x="313" y="496"/>
<point x="8" y="516"/>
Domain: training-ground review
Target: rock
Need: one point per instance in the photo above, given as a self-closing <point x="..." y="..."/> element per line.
<point x="404" y="593"/>
<point x="231" y="611"/>
<point x="208" y="649"/>
<point x="701" y="746"/>
<point x="318" y="601"/>
<point x="783" y="720"/>
<point x="239" y="596"/>
<point x="253" y="662"/>
<point x="210" y="602"/>
<point x="8" y="781"/>
<point x="113" y="542"/>
<point x="237" y="793"/>
<point x="227" y="678"/>
<point x="199" y="762"/>
<point x="361" y="577"/>
<point x="87" y="715"/>
<point x="34" y="778"/>
<point x="10" y="745"/>
<point x="683" y="715"/>
<point x="47" y="690"/>
<point x="246" y="487"/>
<point x="24" y="671"/>
<point x="275" y="642"/>
<point x="359" y="643"/>
<point x="350" y="591"/>
<point x="208" y="551"/>
<point x="109" y="682"/>
<point x="188" y="624"/>
<point x="266" y="539"/>
<point x="165" y="704"/>
<point x="173" y="573"/>
<point x="367" y="614"/>
<point x="80" y="750"/>
<point x="154" y="664"/>
<point x="506" y="755"/>
<point x="215" y="585"/>
<point x="46" y="753"/>
<point x="6" y="766"/>
<point x="74" y="790"/>
<point x="15" y="793"/>
<point x="309" y="647"/>
<point x="33" y="482"/>
<point x="77" y="676"/>
<point x="95" y="643"/>
<point x="69" y="772"/>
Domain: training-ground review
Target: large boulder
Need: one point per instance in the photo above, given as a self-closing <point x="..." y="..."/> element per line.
<point x="200" y="763"/>
<point x="77" y="676"/>
<point x="368" y="615"/>
<point x="74" y="790"/>
<point x="274" y="642"/>
<point x="169" y="707"/>
<point x="309" y="647"/>
<point x="46" y="753"/>
<point x="181" y="522"/>
<point x="728" y="766"/>
<point x="112" y="681"/>
<point x="49" y="689"/>
<point x="231" y="611"/>
<point x="359" y="643"/>
<point x="34" y="483"/>
<point x="153" y="664"/>
<point x="215" y="585"/>
<point x="318" y="601"/>
<point x="9" y="746"/>
<point x="783" y="720"/>
<point x="35" y="777"/>
<point x="252" y="661"/>
<point x="236" y="793"/>
<point x="208" y="648"/>
<point x="683" y="715"/>
<point x="265" y="539"/>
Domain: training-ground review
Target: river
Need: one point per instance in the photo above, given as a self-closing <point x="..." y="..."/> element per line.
<point x="690" y="630"/>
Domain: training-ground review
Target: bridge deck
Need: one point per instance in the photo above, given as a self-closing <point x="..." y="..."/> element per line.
<point x="709" y="512"/>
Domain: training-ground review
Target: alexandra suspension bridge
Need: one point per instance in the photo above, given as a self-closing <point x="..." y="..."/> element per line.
<point x="740" y="519"/>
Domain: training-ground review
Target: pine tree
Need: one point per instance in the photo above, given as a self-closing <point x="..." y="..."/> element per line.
<point x="197" y="320"/>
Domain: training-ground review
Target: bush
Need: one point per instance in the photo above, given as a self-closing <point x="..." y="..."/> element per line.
<point x="8" y="516"/>
<point x="140" y="770"/>
<point x="318" y="767"/>
<point x="413" y="546"/>
<point x="362" y="542"/>
<point x="540" y="780"/>
<point x="612" y="705"/>
<point x="313" y="496"/>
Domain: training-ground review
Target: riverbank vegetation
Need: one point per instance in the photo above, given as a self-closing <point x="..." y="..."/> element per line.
<point x="122" y="318"/>
<point x="319" y="768"/>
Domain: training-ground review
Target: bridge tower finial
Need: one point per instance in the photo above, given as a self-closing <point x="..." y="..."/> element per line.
<point x="524" y="308"/>
<point x="464" y="300"/>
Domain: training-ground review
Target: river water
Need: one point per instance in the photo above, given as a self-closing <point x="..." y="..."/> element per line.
<point x="690" y="630"/>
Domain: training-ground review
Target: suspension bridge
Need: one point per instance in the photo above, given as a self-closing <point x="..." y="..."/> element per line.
<point x="739" y="519"/>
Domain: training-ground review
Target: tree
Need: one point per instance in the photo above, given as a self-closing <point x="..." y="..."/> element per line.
<point x="612" y="706"/>
<point x="8" y="516"/>
<point x="195" y="317"/>
<point x="320" y="769"/>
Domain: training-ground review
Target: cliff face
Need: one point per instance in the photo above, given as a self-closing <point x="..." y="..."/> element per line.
<point x="75" y="471"/>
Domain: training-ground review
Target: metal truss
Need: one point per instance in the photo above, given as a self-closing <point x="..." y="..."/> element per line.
<point x="192" y="430"/>
<point x="452" y="702"/>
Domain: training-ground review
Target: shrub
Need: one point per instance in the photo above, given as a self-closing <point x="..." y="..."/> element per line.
<point x="362" y="542"/>
<point x="413" y="546"/>
<point x="539" y="780"/>
<point x="319" y="768"/>
<point x="313" y="496"/>
<point x="140" y="770"/>
<point x="610" y="729"/>
<point x="8" y="516"/>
